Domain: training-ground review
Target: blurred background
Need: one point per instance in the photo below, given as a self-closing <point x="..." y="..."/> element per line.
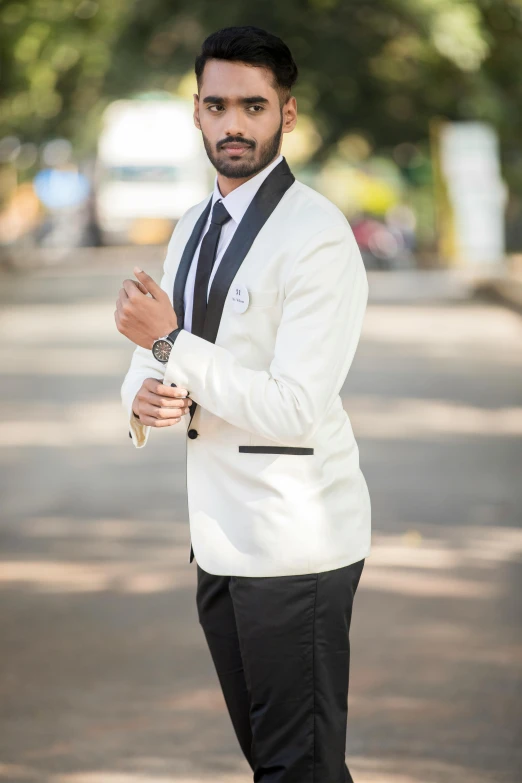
<point x="410" y="120"/>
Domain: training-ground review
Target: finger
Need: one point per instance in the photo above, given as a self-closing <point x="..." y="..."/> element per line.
<point x="157" y="387"/>
<point x="152" y="287"/>
<point x="140" y="286"/>
<point x="151" y="421"/>
<point x="159" y="413"/>
<point x="165" y="402"/>
<point x="170" y="402"/>
<point x="131" y="289"/>
<point x="169" y="413"/>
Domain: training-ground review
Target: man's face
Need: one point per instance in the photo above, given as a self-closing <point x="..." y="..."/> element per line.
<point x="240" y="117"/>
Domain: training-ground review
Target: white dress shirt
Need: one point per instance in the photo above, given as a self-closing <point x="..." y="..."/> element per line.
<point x="236" y="204"/>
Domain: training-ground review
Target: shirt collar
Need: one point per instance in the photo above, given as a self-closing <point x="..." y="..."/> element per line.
<point x="238" y="200"/>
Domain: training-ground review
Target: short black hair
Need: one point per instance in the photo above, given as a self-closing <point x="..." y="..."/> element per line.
<point x="253" y="46"/>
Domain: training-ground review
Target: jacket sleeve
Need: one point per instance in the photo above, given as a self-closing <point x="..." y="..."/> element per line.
<point x="326" y="294"/>
<point x="143" y="365"/>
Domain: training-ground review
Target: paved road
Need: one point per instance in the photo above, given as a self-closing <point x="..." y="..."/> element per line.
<point x="104" y="673"/>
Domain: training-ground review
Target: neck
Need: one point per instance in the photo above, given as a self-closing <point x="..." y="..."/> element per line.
<point x="227" y="184"/>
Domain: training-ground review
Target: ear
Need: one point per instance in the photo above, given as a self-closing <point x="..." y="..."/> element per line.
<point x="196" y="111"/>
<point x="289" y="115"/>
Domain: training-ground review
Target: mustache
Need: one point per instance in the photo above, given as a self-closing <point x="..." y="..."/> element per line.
<point x="235" y="140"/>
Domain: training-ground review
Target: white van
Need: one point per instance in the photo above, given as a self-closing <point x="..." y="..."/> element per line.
<point x="151" y="166"/>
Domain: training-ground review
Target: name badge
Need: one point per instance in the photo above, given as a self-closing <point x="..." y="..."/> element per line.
<point x="239" y="298"/>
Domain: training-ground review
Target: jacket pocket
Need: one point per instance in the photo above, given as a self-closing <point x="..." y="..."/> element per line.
<point x="275" y="450"/>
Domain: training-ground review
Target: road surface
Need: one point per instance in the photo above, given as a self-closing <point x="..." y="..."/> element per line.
<point x="104" y="673"/>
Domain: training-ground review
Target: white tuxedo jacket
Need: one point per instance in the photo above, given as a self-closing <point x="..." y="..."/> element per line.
<point x="274" y="484"/>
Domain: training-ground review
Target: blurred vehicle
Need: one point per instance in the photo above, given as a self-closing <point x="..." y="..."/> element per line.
<point x="382" y="246"/>
<point x="150" y="168"/>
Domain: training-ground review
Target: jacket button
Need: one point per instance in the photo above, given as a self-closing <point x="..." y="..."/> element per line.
<point x="192" y="434"/>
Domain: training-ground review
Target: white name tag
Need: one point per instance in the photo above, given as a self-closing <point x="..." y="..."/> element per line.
<point x="239" y="298"/>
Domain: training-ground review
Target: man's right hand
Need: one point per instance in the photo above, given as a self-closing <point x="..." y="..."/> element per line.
<point x="158" y="405"/>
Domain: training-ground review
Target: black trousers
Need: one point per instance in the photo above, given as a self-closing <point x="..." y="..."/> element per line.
<point x="281" y="649"/>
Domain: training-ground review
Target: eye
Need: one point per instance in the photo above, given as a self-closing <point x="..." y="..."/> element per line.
<point x="215" y="106"/>
<point x="256" y="106"/>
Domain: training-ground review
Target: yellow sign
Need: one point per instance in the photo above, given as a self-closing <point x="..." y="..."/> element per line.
<point x="150" y="231"/>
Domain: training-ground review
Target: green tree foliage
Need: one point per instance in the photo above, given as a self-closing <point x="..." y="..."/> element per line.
<point x="54" y="58"/>
<point x="383" y="67"/>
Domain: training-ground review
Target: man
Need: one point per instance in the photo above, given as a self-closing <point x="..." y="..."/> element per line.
<point x="257" y="318"/>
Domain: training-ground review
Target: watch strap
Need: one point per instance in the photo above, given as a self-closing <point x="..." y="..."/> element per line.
<point x="172" y="335"/>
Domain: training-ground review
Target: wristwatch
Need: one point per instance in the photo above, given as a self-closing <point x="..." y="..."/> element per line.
<point x="162" y="347"/>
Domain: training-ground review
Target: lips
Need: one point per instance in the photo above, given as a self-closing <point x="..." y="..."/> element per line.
<point x="235" y="147"/>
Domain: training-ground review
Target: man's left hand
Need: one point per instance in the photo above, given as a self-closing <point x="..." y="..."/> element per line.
<point x="140" y="317"/>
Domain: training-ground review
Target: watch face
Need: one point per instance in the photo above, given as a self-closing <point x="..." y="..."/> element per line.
<point x="161" y="350"/>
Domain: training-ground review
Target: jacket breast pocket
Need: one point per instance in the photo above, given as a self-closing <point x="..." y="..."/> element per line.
<point x="298" y="450"/>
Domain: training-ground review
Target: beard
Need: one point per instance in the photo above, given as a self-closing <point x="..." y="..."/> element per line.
<point x="240" y="169"/>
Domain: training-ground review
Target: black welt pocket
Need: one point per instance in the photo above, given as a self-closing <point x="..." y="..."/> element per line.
<point x="275" y="450"/>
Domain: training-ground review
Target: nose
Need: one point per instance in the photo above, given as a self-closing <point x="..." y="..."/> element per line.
<point x="233" y="123"/>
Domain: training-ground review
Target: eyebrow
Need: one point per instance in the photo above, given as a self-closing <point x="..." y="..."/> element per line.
<point x="247" y="101"/>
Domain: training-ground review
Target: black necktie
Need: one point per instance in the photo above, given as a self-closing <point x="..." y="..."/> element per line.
<point x="207" y="255"/>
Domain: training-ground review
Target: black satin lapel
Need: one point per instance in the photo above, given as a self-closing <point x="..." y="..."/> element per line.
<point x="261" y="207"/>
<point x="185" y="262"/>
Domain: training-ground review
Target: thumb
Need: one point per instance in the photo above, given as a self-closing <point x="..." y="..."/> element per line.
<point x="152" y="287"/>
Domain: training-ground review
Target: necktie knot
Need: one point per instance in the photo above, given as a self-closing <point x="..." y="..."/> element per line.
<point x="219" y="214"/>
